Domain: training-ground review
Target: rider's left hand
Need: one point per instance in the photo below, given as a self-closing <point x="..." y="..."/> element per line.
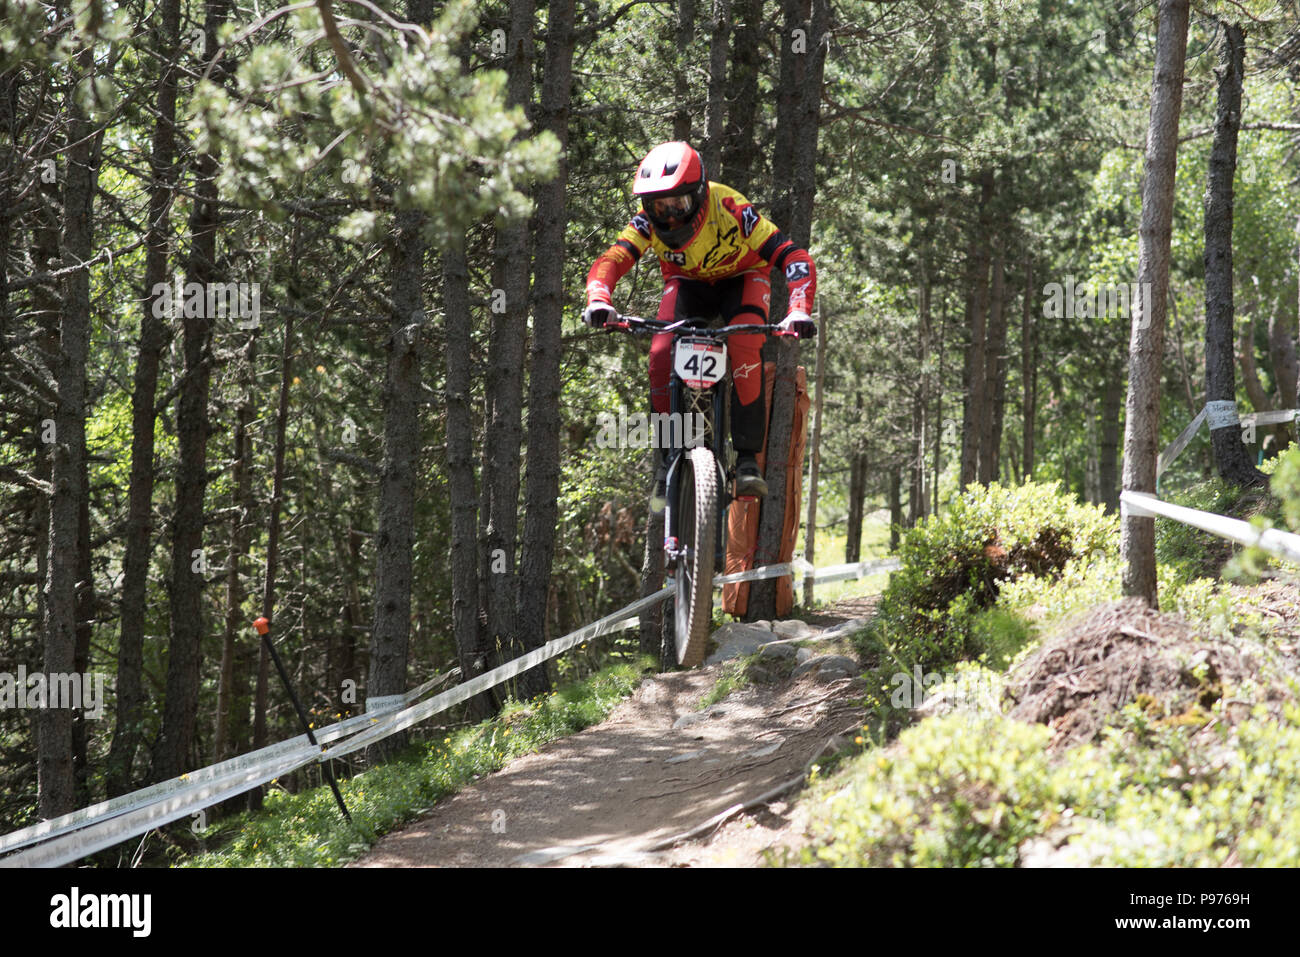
<point x="800" y="324"/>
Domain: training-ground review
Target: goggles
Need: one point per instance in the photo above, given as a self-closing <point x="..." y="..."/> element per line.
<point x="670" y="207"/>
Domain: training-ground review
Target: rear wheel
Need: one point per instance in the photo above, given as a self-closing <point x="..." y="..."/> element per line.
<point x="697" y="517"/>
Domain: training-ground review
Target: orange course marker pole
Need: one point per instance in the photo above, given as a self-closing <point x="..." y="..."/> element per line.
<point x="263" y="627"/>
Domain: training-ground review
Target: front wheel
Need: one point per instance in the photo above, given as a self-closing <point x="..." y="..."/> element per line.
<point x="697" y="512"/>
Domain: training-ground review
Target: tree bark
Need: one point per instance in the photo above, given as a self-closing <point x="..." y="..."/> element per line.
<point x="138" y="543"/>
<point x="741" y="157"/>
<point x="1230" y="453"/>
<point x="1112" y="400"/>
<point x="917" y="498"/>
<point x="715" y="110"/>
<point x="857" y="500"/>
<point x="56" y="774"/>
<point x="230" y="693"/>
<point x="804" y="74"/>
<point x="1146" y="342"/>
<point x="815" y="445"/>
<point x="895" y="507"/>
<point x="172" y="755"/>
<point x="460" y="474"/>
<point x="543" y="480"/>
<point x="974" y="378"/>
<point x="261" y="694"/>
<point x="685" y="34"/>
<point x="995" y="367"/>
<point x="391" y="631"/>
<point x="499" y="585"/>
<point x="1028" y="370"/>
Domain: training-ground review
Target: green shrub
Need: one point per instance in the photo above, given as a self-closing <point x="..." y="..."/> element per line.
<point x="1285" y="485"/>
<point x="971" y="788"/>
<point x="954" y="564"/>
<point x="956" y="791"/>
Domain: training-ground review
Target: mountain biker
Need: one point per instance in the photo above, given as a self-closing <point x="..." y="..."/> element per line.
<point x="715" y="251"/>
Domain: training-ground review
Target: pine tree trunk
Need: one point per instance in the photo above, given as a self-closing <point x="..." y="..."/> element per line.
<point x="857" y="500"/>
<point x="391" y="631"/>
<point x="460" y="473"/>
<point x="138" y="543"/>
<point x="815" y="446"/>
<point x="1146" y="343"/>
<point x="543" y="485"/>
<point x="685" y="33"/>
<point x="1028" y="370"/>
<point x="261" y="694"/>
<point x="741" y="157"/>
<point x="801" y="72"/>
<point x="917" y="498"/>
<point x="499" y="584"/>
<point x="230" y="694"/>
<point x="1220" y="375"/>
<point x="57" y="792"/>
<point x="715" y="110"/>
<point x="895" y="507"/>
<point x="1111" y="403"/>
<point x="974" y="378"/>
<point x="995" y="368"/>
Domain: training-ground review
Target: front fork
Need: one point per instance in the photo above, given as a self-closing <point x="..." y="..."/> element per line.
<point x="674" y="548"/>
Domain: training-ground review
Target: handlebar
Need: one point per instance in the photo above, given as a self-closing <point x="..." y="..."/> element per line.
<point x="638" y="325"/>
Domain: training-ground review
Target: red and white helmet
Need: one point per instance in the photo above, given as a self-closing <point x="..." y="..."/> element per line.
<point x="674" y="190"/>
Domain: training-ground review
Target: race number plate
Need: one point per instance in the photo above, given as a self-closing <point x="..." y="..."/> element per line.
<point x="700" y="363"/>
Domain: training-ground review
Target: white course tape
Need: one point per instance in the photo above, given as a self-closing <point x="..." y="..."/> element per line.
<point x="1274" y="541"/>
<point x="261" y="759"/>
<point x="1271" y="418"/>
<point x="1176" y="447"/>
<point x="97" y="837"/>
<point x="402" y="720"/>
<point x="836" y="573"/>
<point x="1222" y="414"/>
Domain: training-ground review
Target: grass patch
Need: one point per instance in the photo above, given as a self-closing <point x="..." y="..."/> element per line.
<point x="735" y="674"/>
<point x="305" y="830"/>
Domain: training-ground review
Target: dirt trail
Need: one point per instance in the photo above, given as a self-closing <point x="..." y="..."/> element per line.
<point x="657" y="768"/>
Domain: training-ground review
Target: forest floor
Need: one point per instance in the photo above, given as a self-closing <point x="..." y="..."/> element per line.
<point x="660" y="783"/>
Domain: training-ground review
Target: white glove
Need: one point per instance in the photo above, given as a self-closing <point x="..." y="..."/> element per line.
<point x="800" y="324"/>
<point x="598" y="314"/>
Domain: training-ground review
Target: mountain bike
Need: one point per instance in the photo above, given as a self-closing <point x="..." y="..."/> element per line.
<point x="701" y="468"/>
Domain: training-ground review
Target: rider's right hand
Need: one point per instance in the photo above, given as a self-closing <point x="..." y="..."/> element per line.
<point x="598" y="314"/>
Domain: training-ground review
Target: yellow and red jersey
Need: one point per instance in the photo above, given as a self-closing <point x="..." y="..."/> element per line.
<point x="732" y="238"/>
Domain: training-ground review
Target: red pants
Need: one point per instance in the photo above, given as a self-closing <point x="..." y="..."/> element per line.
<point x="737" y="299"/>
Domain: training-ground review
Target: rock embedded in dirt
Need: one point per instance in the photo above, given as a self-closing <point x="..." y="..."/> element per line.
<point x="844" y="629"/>
<point x="736" y="640"/>
<point x="780" y="651"/>
<point x="795" y="629"/>
<point x="829" y="665"/>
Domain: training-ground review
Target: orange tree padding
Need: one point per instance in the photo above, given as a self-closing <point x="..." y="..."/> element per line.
<point x="742" y="518"/>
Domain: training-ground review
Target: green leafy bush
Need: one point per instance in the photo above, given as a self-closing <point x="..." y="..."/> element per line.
<point x="955" y="564"/>
<point x="979" y="790"/>
<point x="1286" y="486"/>
<point x="955" y="791"/>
